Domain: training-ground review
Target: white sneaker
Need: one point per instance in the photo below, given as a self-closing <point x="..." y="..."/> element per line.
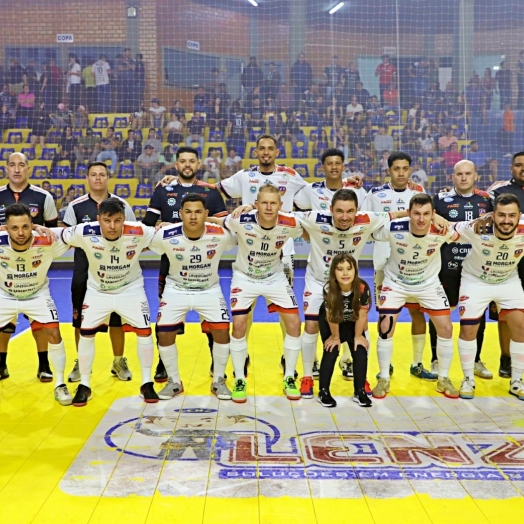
<point x="434" y="367"/>
<point x="482" y="371"/>
<point x="120" y="369"/>
<point x="220" y="389"/>
<point x="74" y="376"/>
<point x="467" y="388"/>
<point x="516" y="388"/>
<point x="170" y="390"/>
<point x="63" y="396"/>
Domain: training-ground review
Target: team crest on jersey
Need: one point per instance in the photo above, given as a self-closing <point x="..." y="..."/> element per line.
<point x="279" y="244"/>
<point x="356" y="240"/>
<point x="36" y="263"/>
<point x="482" y="211"/>
<point x="429" y="252"/>
<point x="233" y="301"/>
<point x="381" y="299"/>
<point x="282" y="190"/>
<point x="211" y="254"/>
<point x="171" y="201"/>
<point x="306" y="305"/>
<point x="517" y="253"/>
<point x="462" y="309"/>
<point x="130" y="254"/>
<point x="33" y="210"/>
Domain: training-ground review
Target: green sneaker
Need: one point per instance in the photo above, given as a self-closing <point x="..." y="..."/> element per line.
<point x="239" y="394"/>
<point x="290" y="389"/>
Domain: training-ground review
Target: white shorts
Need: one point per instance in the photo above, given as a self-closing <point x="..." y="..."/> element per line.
<point x="475" y="296"/>
<point x="40" y="308"/>
<point x="377" y="280"/>
<point x="208" y="303"/>
<point x="313" y="298"/>
<point x="431" y="300"/>
<point x="276" y="290"/>
<point x="130" y="304"/>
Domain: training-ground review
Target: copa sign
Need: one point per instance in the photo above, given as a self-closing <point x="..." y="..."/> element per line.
<point x="64" y="39"/>
<point x="194" y="46"/>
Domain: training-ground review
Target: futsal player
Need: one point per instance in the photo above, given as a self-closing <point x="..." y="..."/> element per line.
<point x="79" y="211"/>
<point x="114" y="285"/>
<point x="43" y="212"/>
<point x="411" y="277"/>
<point x="193" y="249"/>
<point x="462" y="203"/>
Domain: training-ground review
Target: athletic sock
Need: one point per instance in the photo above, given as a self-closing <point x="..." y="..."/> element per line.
<point x="169" y="356"/>
<point x="433" y="340"/>
<point x="86" y="356"/>
<point x="480" y="337"/>
<point x="292" y="347"/>
<point x="418" y="342"/>
<point x="43" y="360"/>
<point x="467" y="350"/>
<point x="309" y="352"/>
<point x="145" y="348"/>
<point x="384" y="353"/>
<point x="516" y="351"/>
<point x="346" y="353"/>
<point x="220" y="357"/>
<point x="238" y="349"/>
<point x="58" y="358"/>
<point x="444" y="355"/>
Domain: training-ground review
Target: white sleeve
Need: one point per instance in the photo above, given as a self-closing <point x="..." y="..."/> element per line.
<point x="232" y="186"/>
<point x="50" y="212"/>
<point x="367" y="203"/>
<point x="464" y="233"/>
<point x="302" y="198"/>
<point x="69" y="216"/>
<point x="59" y="246"/>
<point x="157" y="242"/>
<point x="382" y="234"/>
<point x="231" y="224"/>
<point x="379" y="220"/>
<point x="231" y="240"/>
<point x="149" y="233"/>
<point x="72" y="236"/>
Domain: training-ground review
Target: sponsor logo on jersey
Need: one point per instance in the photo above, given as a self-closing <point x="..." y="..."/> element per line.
<point x="324" y="228"/>
<point x="36" y="263"/>
<point x="251" y="235"/>
<point x="453" y="213"/>
<point x="183" y="273"/>
<point x="326" y="240"/>
<point x="171" y="201"/>
<point x="3" y="264"/>
<point x="20" y="259"/>
<point x="253" y="189"/>
<point x="482" y="211"/>
<point x="306" y="305"/>
<point x="247" y="227"/>
<point x="517" y="253"/>
<point x="211" y="253"/>
<point x="98" y="255"/>
<point x="179" y="257"/>
<point x="386" y="202"/>
<point x="86" y="218"/>
<point x="429" y="252"/>
<point x="8" y="284"/>
<point x="399" y="236"/>
<point x="100" y="274"/>
<point x="130" y="254"/>
<point x="195" y="248"/>
<point x="416" y="246"/>
<point x="249" y="241"/>
<point x="381" y="299"/>
<point x="485" y="252"/>
<point x="326" y="259"/>
<point x="282" y="190"/>
<point x="402" y="244"/>
<point x="485" y="269"/>
<point x="453" y="265"/>
<point x="463" y="298"/>
<point x="250" y="258"/>
<point x="400" y="250"/>
<point x="114" y="249"/>
<point x="94" y="240"/>
<point x="504" y="246"/>
<point x="381" y="195"/>
<point x="308" y="294"/>
<point x="448" y="199"/>
<point x="33" y="209"/>
<point x="174" y="241"/>
<point x="469" y="205"/>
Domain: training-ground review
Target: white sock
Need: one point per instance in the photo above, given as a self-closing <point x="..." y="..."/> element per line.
<point x="86" y="356"/>
<point x="516" y="351"/>
<point x="346" y="353"/>
<point x="444" y="355"/>
<point x="467" y="351"/>
<point x="384" y="353"/>
<point x="145" y="348"/>
<point x="238" y="349"/>
<point x="309" y="351"/>
<point x="418" y="342"/>
<point x="169" y="356"/>
<point x="292" y="347"/>
<point x="220" y="357"/>
<point x="57" y="356"/>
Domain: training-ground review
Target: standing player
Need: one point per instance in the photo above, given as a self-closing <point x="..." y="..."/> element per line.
<point x="193" y="249"/>
<point x="24" y="287"/>
<point x="43" y="212"/>
<point x="395" y="196"/>
<point x="81" y="211"/>
<point x="165" y="205"/>
<point x="411" y="276"/>
<point x="258" y="271"/>
<point x="114" y="284"/>
<point x="489" y="272"/>
<point x="462" y="203"/>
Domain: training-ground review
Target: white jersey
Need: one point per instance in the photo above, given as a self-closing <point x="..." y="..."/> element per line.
<point x="193" y="264"/>
<point x="260" y="250"/>
<point x="385" y="198"/>
<point x="414" y="262"/>
<point x="490" y="259"/>
<point x="327" y="241"/>
<point x="113" y="264"/>
<point x="24" y="273"/>
<point x="317" y="195"/>
<point x="101" y="71"/>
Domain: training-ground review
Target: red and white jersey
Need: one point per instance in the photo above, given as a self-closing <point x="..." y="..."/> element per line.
<point x="113" y="264"/>
<point x="24" y="273"/>
<point x="327" y="241"/>
<point x="193" y="264"/>
<point x="260" y="250"/>
<point x="490" y="259"/>
<point x="383" y="199"/>
<point x="245" y="185"/>
<point x="414" y="262"/>
<point x="317" y="195"/>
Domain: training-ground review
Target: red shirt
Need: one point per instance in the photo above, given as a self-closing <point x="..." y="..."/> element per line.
<point x="385" y="72"/>
<point x="452" y="157"/>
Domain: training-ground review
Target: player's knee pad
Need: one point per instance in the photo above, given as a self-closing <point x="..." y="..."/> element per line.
<point x="384" y="328"/>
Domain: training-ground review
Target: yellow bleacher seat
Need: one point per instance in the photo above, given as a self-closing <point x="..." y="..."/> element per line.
<point x="215" y="145"/>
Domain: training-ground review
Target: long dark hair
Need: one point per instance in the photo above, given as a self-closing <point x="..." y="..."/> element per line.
<point x="333" y="294"/>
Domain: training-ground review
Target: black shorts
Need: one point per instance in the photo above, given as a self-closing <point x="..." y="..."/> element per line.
<point x="493" y="311"/>
<point x="450" y="281"/>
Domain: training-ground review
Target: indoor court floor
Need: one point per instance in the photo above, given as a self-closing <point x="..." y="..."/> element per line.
<point x="413" y="457"/>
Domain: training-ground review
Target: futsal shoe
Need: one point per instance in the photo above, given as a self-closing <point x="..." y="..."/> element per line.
<point x="4" y="372"/>
<point x="283" y="366"/>
<point x="516" y="388"/>
<point x="347" y="369"/>
<point x="467" y="388"/>
<point x="44" y="374"/>
<point x="316" y="370"/>
<point x="170" y="390"/>
<point x="290" y="389"/>
<point x="148" y="393"/>
<point x="505" y="366"/>
<point x="160" y="373"/>
<point x="418" y="371"/>
<point x="445" y="387"/>
<point x="239" y="394"/>
<point x="63" y="396"/>
<point x="325" y="398"/>
<point x="220" y="389"/>
<point x="390" y="372"/>
<point x="434" y="367"/>
<point x="82" y="395"/>
<point x="74" y="376"/>
<point x="381" y="389"/>
<point x="306" y="387"/>
<point x="121" y="370"/>
<point x="482" y="371"/>
<point x="362" y="399"/>
<point x="367" y="389"/>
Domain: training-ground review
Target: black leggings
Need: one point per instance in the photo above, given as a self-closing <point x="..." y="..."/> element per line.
<point x="329" y="358"/>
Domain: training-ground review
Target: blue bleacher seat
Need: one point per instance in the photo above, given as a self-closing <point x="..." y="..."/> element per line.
<point x="255" y="133"/>
<point x="98" y="134"/>
<point x="252" y="152"/>
<point x="138" y="135"/>
<point x="126" y="171"/>
<point x="53" y="137"/>
<point x="123" y="190"/>
<point x="5" y="152"/>
<point x="29" y="152"/>
<point x="120" y="121"/>
<point x="282" y="152"/>
<point x="101" y="121"/>
<point x="144" y="191"/>
<point x="14" y="137"/>
<point x="139" y="211"/>
<point x="318" y="171"/>
<point x="2" y="172"/>
<point x="216" y="136"/>
<point x="81" y="171"/>
<point x="40" y="172"/>
<point x="313" y="135"/>
<point x="22" y="122"/>
<point x="78" y="134"/>
<point x="62" y="172"/>
<point x="118" y="135"/>
<point x="48" y="153"/>
<point x="58" y="190"/>
<point x="80" y="189"/>
<point x="302" y="170"/>
<point x="298" y="152"/>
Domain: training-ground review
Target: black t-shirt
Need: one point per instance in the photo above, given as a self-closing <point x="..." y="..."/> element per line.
<point x="40" y="203"/>
<point x="458" y="208"/>
<point x="365" y="303"/>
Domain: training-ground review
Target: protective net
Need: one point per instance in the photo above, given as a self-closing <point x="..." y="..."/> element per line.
<point x="441" y="80"/>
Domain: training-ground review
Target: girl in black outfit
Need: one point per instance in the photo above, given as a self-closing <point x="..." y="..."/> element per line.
<point x="343" y="318"/>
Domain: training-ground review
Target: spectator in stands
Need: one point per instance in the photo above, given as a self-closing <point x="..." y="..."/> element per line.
<point x="147" y="163"/>
<point x="61" y="117"/>
<point x="295" y="134"/>
<point x="270" y="107"/>
<point x="374" y="110"/>
<point x="520" y="81"/>
<point x="216" y="115"/>
<point x="457" y="113"/>
<point x="46" y="186"/>
<point x="139" y="76"/>
<point x="413" y="113"/>
<point x="433" y="98"/>
<point x="200" y="100"/>
<point x="117" y="81"/>
<point x="139" y="116"/>
<point x="109" y="146"/>
<point x="487" y="85"/>
<point x="89" y="85"/>
<point x="231" y="165"/>
<point x="333" y="75"/>
<point x="25" y="104"/>
<point x="361" y="142"/>
<point x="212" y="165"/>
<point x="80" y="118"/>
<point x="41" y="125"/>
<point x="410" y="143"/>
<point x="451" y="157"/>
<point x="15" y="76"/>
<point x="473" y="96"/>
<point x="178" y="110"/>
<point x="30" y="76"/>
<point x="301" y="76"/>
<point x="285" y="100"/>
<point x="341" y="140"/>
<point x="131" y="147"/>
<point x="337" y="105"/>
<point x="101" y="70"/>
<point x="68" y="198"/>
<point x="68" y="150"/>
<point x="174" y="129"/>
<point x="153" y="140"/>
<point x="74" y="81"/>
<point x="256" y="116"/>
<point x="382" y="141"/>
<point x="252" y="76"/>
<point x="420" y="122"/>
<point x="168" y="160"/>
<point x="367" y="164"/>
<point x="503" y="78"/>
<point x="56" y="79"/>
<point x="6" y="119"/>
<point x="385" y="72"/>
<point x="427" y="145"/>
<point x="273" y="81"/>
<point x="250" y="97"/>
<point x="390" y="98"/>
<point x="361" y="93"/>
<point x="7" y="98"/>
<point x="126" y="73"/>
<point x="446" y="140"/>
<point x="225" y="97"/>
<point x="350" y="77"/>
<point x="195" y="128"/>
<point x="353" y="108"/>
<point x="418" y="74"/>
<point x="418" y="175"/>
<point x="87" y="151"/>
<point x="156" y="114"/>
<point x="486" y="166"/>
<point x="508" y="131"/>
<point x="308" y="97"/>
<point x="321" y="145"/>
<point x="383" y="167"/>
<point x="353" y="170"/>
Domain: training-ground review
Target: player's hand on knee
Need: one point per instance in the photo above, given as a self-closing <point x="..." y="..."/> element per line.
<point x="361" y="341"/>
<point x="331" y="343"/>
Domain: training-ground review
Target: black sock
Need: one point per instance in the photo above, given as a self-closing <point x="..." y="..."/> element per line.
<point x="480" y="337"/>
<point x="43" y="361"/>
<point x="210" y="343"/>
<point x="3" y="359"/>
<point x="433" y="340"/>
<point x="327" y="366"/>
<point x="360" y="368"/>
